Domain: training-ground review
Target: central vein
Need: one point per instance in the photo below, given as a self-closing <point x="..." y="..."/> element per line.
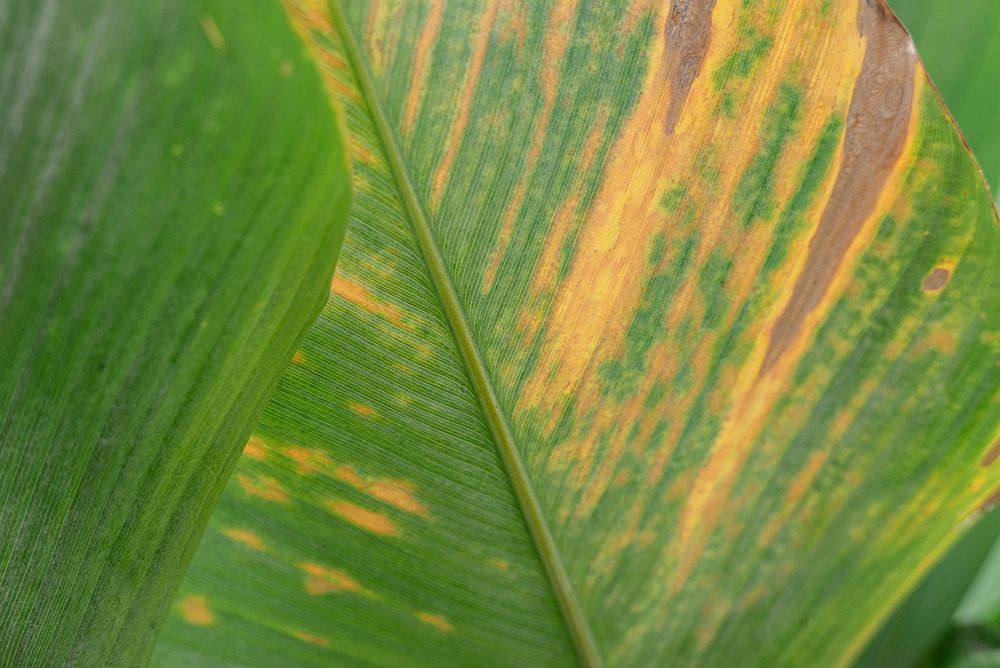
<point x="578" y="626"/>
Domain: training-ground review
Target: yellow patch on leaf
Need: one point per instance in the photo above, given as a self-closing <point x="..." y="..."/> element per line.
<point x="322" y="580"/>
<point x="195" y="610"/>
<point x="309" y="461"/>
<point x="213" y="33"/>
<point x="480" y="43"/>
<point x="359" y="295"/>
<point x="435" y="620"/>
<point x="255" y="449"/>
<point x="363" y="410"/>
<point x="805" y="477"/>
<point x="349" y="475"/>
<point x="369" y="520"/>
<point x="425" y="43"/>
<point x="361" y="153"/>
<point x="398" y="493"/>
<point x="499" y="564"/>
<point x="310" y="638"/>
<point x="264" y="487"/>
<point x="247" y="537"/>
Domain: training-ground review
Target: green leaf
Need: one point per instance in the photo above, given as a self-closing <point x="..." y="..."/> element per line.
<point x="974" y="646"/>
<point x="926" y="613"/>
<point x="966" y="76"/>
<point x="982" y="602"/>
<point x="173" y="192"/>
<point x="960" y="45"/>
<point x="664" y="334"/>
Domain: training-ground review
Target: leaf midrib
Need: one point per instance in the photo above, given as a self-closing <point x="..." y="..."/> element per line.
<point x="548" y="553"/>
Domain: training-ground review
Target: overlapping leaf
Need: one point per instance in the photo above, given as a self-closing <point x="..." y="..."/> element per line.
<point x="173" y="191"/>
<point x="664" y="332"/>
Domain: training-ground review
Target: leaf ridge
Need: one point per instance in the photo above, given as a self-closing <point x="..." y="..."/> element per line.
<point x="520" y="481"/>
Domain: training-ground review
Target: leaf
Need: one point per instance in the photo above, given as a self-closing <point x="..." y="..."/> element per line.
<point x="981" y="604"/>
<point x="172" y="198"/>
<point x="962" y="54"/>
<point x="963" y="76"/>
<point x="664" y="334"/>
<point x="968" y="647"/>
<point x="924" y="616"/>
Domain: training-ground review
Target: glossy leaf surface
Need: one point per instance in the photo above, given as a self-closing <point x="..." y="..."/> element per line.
<point x="663" y="333"/>
<point x="167" y="232"/>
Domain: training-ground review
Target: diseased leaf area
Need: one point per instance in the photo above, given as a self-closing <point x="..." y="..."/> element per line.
<point x="695" y="303"/>
<point x="167" y="232"/>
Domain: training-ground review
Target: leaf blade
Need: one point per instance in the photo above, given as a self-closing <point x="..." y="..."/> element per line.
<point x="514" y="466"/>
<point x="652" y="444"/>
<point x="136" y="354"/>
<point x="386" y="327"/>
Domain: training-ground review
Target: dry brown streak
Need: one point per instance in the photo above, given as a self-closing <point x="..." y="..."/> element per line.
<point x="876" y="132"/>
<point x="688" y="31"/>
<point x="878" y="127"/>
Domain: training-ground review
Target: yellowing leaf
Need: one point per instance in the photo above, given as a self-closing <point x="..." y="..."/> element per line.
<point x="686" y="313"/>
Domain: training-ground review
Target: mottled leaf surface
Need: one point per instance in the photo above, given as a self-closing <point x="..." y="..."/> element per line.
<point x="173" y="192"/>
<point x="962" y="55"/>
<point x="665" y="333"/>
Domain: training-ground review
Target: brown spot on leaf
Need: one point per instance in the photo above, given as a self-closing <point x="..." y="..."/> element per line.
<point x="877" y="125"/>
<point x="362" y="154"/>
<point x="989" y="502"/>
<point x="688" y="32"/>
<point x="558" y="32"/>
<point x="991" y="454"/>
<point x="939" y="339"/>
<point x="936" y="279"/>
